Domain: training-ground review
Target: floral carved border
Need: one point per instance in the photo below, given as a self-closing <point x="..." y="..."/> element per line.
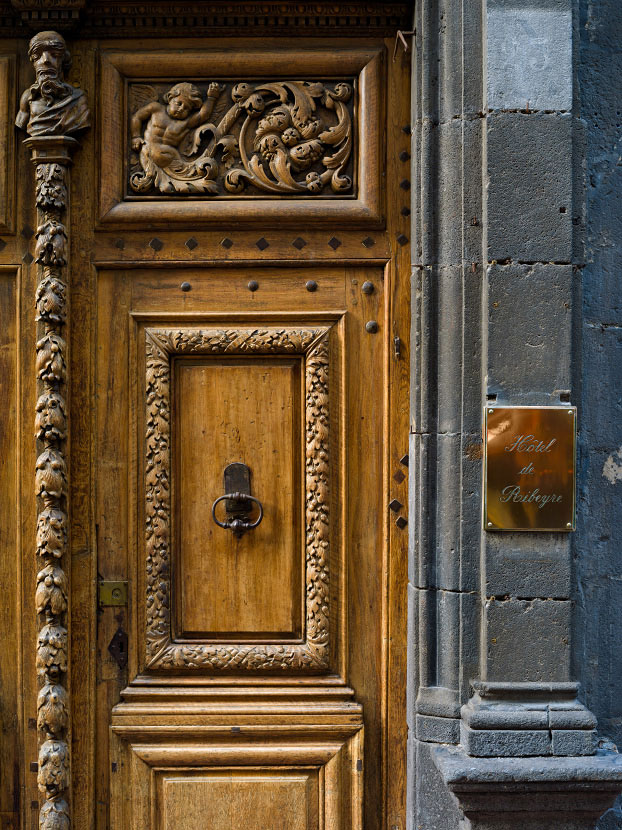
<point x="162" y="652"/>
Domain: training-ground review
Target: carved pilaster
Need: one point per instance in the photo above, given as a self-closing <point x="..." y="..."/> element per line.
<point x="49" y="110"/>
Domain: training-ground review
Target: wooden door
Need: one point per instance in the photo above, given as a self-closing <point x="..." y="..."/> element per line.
<point x="239" y="296"/>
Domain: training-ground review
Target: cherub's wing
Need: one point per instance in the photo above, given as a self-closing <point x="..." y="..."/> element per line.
<point x="223" y="104"/>
<point x="140" y="95"/>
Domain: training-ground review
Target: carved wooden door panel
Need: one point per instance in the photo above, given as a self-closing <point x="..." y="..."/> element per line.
<point x="237" y="460"/>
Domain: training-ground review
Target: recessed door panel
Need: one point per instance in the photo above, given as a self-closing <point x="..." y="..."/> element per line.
<point x="224" y="799"/>
<point x="244" y="410"/>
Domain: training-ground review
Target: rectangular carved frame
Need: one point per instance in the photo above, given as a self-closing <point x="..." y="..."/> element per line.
<point x="366" y="65"/>
<point x="162" y="652"/>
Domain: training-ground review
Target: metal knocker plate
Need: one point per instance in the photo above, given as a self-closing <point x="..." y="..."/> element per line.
<point x="239" y="503"/>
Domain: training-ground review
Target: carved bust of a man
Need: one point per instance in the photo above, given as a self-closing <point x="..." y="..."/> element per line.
<point x="50" y="106"/>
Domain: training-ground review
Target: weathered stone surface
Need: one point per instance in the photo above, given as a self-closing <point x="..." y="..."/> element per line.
<point x="520" y="566"/>
<point x="529" y="334"/>
<point x="528" y="639"/>
<point x="529" y="54"/>
<point x="438" y="730"/>
<point x="573" y="742"/>
<point x="504" y="743"/>
<point x="530" y="187"/>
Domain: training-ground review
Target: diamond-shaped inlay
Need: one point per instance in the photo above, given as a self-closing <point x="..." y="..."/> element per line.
<point x="395" y="505"/>
<point x="404" y="460"/>
<point x="191" y="243"/>
<point x="404" y="155"/>
<point x="119" y="243"/>
<point x="405" y="211"/>
<point x="262" y="244"/>
<point x="402" y="239"/>
<point x="2" y="244"/>
<point x="27" y="258"/>
<point x="334" y="242"/>
<point x="368" y="242"/>
<point x="299" y="243"/>
<point x="156" y="244"/>
<point x="401" y="522"/>
<point x="399" y="477"/>
<point x="226" y="243"/>
<point x="405" y="184"/>
<point x="27" y="232"/>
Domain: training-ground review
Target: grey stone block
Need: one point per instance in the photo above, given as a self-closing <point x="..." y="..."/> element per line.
<point x="573" y="741"/>
<point x="496" y="717"/>
<point x="438" y="730"/>
<point x="533" y="793"/>
<point x="507" y="743"/>
<point x="529" y="55"/>
<point x="530" y="187"/>
<point x="571" y="718"/>
<point x="522" y="566"/>
<point x="529" y="334"/>
<point x="412" y="669"/>
<point x="436" y="809"/>
<point x="528" y="640"/>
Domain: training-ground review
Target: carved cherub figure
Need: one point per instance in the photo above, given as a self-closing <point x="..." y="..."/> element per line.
<point x="168" y="127"/>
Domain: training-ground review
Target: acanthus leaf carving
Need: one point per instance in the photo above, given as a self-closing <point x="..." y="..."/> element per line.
<point x="51" y="187"/>
<point x="313" y="654"/>
<point x="276" y="138"/>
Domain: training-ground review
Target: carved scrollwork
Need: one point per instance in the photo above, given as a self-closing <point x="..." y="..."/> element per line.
<point x="162" y="652"/>
<point x="278" y="138"/>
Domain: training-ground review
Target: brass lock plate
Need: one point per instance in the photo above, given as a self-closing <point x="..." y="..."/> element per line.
<point x="112" y="593"/>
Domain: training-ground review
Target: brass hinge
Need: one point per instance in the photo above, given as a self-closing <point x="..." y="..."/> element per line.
<point x="112" y="593"/>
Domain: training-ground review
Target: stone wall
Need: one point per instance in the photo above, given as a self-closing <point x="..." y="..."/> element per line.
<point x="513" y="303"/>
<point x="598" y="549"/>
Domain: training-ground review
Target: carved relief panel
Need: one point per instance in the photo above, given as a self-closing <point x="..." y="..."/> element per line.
<point x="279" y="138"/>
<point x="286" y="135"/>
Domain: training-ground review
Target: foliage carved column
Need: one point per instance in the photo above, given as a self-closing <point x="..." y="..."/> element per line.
<point x="51" y="111"/>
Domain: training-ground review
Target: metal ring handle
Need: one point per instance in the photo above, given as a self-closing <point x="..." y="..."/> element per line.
<point x="239" y="526"/>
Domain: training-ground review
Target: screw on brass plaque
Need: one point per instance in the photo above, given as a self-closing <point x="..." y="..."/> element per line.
<point x="118" y="648"/>
<point x="112" y="593"/>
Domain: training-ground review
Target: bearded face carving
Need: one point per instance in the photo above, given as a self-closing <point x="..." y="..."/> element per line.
<point x="51" y="419"/>
<point x="50" y="106"/>
<point x="53" y="767"/>
<point x="52" y="651"/>
<point x="52" y="710"/>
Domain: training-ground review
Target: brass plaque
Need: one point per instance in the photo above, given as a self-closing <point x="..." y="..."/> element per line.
<point x="529" y="467"/>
